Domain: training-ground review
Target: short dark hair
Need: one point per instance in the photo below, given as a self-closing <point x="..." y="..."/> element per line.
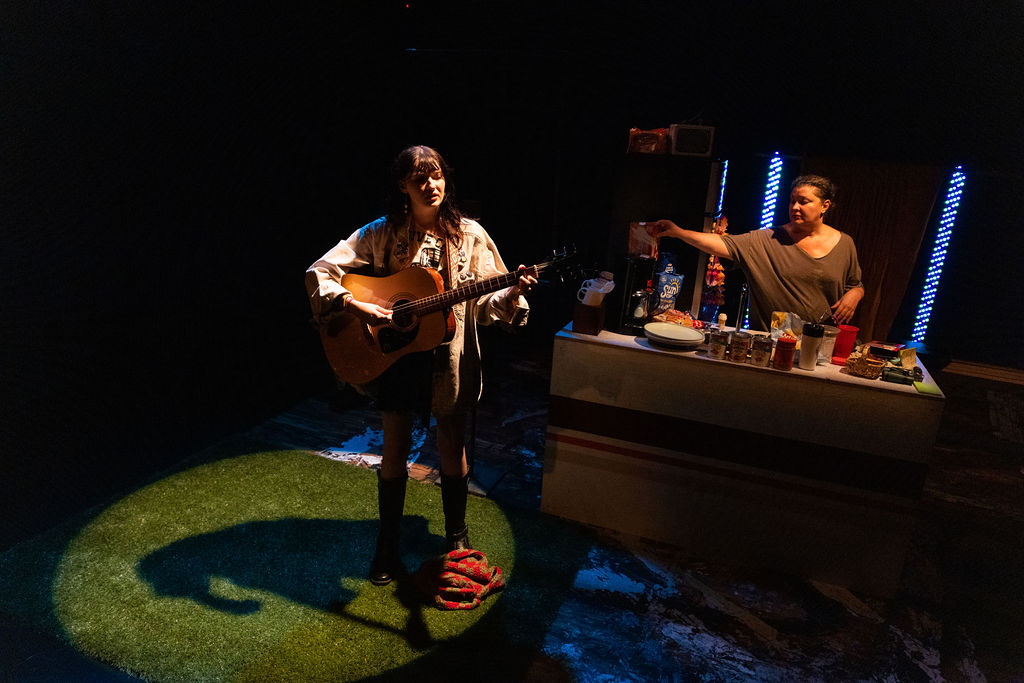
<point x="825" y="187"/>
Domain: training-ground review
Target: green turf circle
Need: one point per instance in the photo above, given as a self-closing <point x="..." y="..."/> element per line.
<point x="254" y="566"/>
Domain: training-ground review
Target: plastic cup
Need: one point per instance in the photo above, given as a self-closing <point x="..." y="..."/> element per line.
<point x="828" y="345"/>
<point x="844" y="343"/>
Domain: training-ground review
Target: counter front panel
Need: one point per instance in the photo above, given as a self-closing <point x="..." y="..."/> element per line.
<point x="817" y="473"/>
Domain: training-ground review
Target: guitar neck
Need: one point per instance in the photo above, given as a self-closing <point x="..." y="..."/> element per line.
<point x="450" y="297"/>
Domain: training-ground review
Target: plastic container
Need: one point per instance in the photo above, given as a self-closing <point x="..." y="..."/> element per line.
<point x="739" y="346"/>
<point x="761" y="351"/>
<point x="785" y="349"/>
<point x="844" y="343"/>
<point x="828" y="345"/>
<point x="719" y="344"/>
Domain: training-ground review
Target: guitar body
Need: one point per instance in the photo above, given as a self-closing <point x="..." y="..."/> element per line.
<point x="422" y="317"/>
<point x="357" y="352"/>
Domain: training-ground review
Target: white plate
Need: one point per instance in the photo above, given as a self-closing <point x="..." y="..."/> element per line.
<point x="671" y="334"/>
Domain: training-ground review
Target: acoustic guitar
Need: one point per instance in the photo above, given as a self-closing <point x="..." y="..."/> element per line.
<point x="422" y="317"/>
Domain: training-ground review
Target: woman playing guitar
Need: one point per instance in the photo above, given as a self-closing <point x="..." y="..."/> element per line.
<point x="422" y="228"/>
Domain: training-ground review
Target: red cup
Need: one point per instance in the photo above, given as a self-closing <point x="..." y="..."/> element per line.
<point x="844" y="343"/>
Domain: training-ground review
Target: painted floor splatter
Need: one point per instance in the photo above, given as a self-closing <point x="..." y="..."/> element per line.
<point x="639" y="611"/>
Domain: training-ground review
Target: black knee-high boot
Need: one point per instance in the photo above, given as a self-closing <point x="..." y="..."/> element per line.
<point x="454" y="491"/>
<point x="387" y="560"/>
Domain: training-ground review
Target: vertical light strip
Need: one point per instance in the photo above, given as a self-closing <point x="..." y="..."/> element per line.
<point x="771" y="191"/>
<point x="771" y="198"/>
<point x="721" y="189"/>
<point x="931" y="281"/>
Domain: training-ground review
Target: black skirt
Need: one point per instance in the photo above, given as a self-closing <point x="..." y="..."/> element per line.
<point x="406" y="385"/>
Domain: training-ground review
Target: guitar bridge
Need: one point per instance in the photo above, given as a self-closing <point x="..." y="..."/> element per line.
<point x="368" y="334"/>
<point x="392" y="339"/>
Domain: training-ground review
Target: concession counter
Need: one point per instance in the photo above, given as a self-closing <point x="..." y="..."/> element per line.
<point x="815" y="473"/>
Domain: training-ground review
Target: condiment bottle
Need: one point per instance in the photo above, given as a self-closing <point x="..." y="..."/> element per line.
<point x="784" y="350"/>
<point x="809" y="343"/>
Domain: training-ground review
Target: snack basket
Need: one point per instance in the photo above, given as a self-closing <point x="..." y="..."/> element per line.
<point x="864" y="365"/>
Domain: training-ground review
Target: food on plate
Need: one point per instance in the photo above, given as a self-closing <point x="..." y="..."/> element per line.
<point x="678" y="318"/>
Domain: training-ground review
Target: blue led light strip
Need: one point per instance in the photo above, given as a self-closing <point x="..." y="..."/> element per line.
<point x="771" y="198"/>
<point x="771" y="191"/>
<point x="931" y="281"/>
<point x="721" y="190"/>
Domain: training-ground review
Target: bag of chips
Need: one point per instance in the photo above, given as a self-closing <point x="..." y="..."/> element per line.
<point x="669" y="285"/>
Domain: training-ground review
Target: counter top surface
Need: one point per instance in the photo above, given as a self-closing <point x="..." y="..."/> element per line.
<point x="821" y="373"/>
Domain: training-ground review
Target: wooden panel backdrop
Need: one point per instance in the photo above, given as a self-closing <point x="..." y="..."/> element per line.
<point x="886" y="208"/>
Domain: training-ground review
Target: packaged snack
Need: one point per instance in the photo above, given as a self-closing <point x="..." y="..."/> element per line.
<point x="669" y="285"/>
<point x="884" y="349"/>
<point x="666" y="262"/>
<point x="786" y="324"/>
<point x="642" y="241"/>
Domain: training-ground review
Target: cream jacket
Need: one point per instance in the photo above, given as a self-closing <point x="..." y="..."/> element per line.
<point x="378" y="249"/>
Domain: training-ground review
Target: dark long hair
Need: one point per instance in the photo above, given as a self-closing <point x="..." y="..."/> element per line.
<point x="415" y="160"/>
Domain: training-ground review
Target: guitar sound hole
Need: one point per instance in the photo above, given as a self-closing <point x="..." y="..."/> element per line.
<point x="401" y="332"/>
<point x="403" y="321"/>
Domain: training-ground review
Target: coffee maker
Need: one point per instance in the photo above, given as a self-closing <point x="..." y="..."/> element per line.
<point x="625" y="314"/>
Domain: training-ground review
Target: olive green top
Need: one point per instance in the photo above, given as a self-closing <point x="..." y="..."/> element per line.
<point x="783" y="277"/>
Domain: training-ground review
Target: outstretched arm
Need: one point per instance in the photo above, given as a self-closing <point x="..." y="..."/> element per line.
<point x="708" y="242"/>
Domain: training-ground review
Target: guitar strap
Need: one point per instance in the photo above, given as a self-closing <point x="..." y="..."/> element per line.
<point x="448" y="272"/>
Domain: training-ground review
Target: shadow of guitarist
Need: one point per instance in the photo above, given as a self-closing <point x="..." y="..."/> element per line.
<point x="302" y="560"/>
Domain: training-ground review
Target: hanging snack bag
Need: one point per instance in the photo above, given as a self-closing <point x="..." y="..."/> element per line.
<point x="642" y="241"/>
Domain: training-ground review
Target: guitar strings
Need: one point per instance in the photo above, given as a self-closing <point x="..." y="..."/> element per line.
<point x="504" y="280"/>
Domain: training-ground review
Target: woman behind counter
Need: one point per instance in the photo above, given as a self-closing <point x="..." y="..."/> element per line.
<point x="422" y="227"/>
<point x="804" y="267"/>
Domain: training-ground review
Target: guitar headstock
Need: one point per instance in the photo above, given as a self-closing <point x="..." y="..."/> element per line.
<point x="561" y="264"/>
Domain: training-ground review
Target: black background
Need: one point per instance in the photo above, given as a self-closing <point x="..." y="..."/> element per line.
<point x="169" y="170"/>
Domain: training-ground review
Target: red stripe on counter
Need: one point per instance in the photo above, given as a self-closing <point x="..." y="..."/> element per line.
<point x="844" y="467"/>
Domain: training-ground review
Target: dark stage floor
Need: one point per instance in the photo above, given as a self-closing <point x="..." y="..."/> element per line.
<point x="640" y="611"/>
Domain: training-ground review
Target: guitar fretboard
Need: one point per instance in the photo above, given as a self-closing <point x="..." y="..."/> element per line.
<point x="450" y="297"/>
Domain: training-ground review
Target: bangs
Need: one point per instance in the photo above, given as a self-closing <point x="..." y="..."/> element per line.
<point x="425" y="161"/>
